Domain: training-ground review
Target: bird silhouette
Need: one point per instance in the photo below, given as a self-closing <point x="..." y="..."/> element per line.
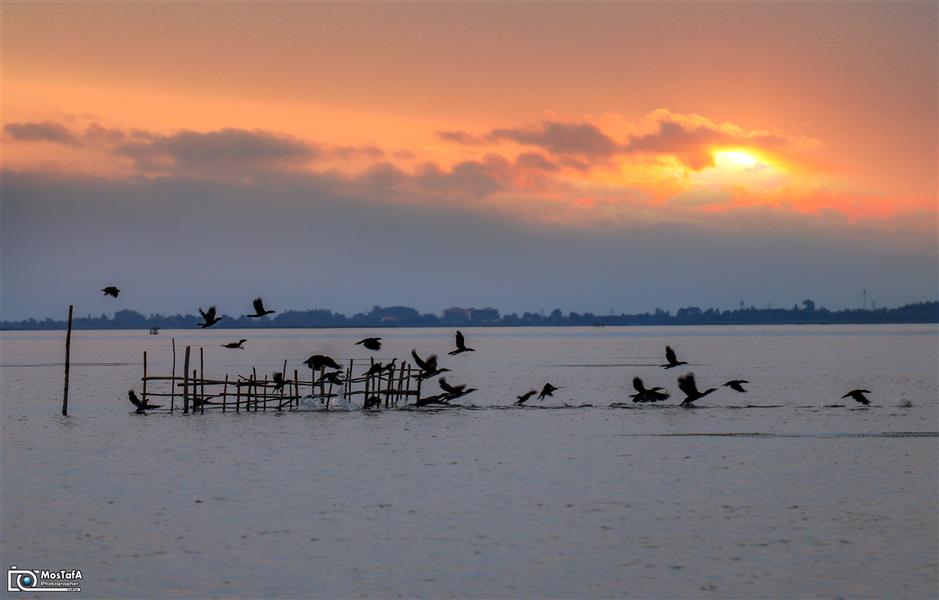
<point x="390" y="367"/>
<point x="141" y="407"/>
<point x="672" y="359"/>
<point x="454" y="391"/>
<point x="372" y="343"/>
<point x="111" y="291"/>
<point x="524" y="397"/>
<point x="687" y="384"/>
<point x="240" y="344"/>
<point x="155" y="330"/>
<point x="375" y="369"/>
<point x="460" y="345"/>
<point x="437" y="399"/>
<point x="736" y="384"/>
<point x="428" y="366"/>
<point x="547" y="390"/>
<point x="644" y="395"/>
<point x="279" y="381"/>
<point x="318" y="361"/>
<point x="334" y="377"/>
<point x="372" y="402"/>
<point x="259" y="309"/>
<point x="858" y="396"/>
<point x="208" y="317"/>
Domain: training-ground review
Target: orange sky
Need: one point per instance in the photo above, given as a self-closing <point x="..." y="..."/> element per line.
<point x="579" y="113"/>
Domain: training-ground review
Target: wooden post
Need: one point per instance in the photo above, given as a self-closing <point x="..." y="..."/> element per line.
<point x="225" y="394"/>
<point x="144" y="376"/>
<point x="265" y="394"/>
<point x="186" y="382"/>
<point x="238" y="396"/>
<point x="173" y="386"/>
<point x="347" y="392"/>
<point x="323" y="385"/>
<point x="196" y="390"/>
<point x="202" y="377"/>
<point x="296" y="388"/>
<point x="68" y="353"/>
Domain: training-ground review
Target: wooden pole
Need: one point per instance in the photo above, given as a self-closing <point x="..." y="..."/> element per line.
<point x="68" y="353"/>
<point x="238" y="396"/>
<point x="225" y="394"/>
<point x="186" y="382"/>
<point x="201" y="394"/>
<point x="202" y="377"/>
<point x="144" y="376"/>
<point x="173" y="386"/>
<point x="296" y="388"/>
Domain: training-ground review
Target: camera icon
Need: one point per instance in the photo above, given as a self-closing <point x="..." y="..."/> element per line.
<point x="20" y="580"/>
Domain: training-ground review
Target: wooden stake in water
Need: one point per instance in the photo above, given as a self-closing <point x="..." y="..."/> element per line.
<point x="173" y="381"/>
<point x="186" y="382"/>
<point x="144" y="376"/>
<point x="68" y="352"/>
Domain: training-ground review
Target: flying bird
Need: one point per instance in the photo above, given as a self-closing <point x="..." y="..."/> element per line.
<point x="672" y="358"/>
<point x="454" y="391"/>
<point x="334" y="377"/>
<point x="279" y="381"/>
<point x="319" y="361"/>
<point x="240" y="345"/>
<point x="686" y="384"/>
<point x="111" y="291"/>
<point x="208" y="317"/>
<point x="547" y="390"/>
<point x="437" y="399"/>
<point x="259" y="309"/>
<point x="524" y="397"/>
<point x="858" y="396"/>
<point x="644" y="395"/>
<point x="460" y="345"/>
<point x="428" y="366"/>
<point x="736" y="384"/>
<point x="372" y="343"/>
<point x="141" y="407"/>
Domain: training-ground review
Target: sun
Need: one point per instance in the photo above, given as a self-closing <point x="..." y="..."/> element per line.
<point x="735" y="159"/>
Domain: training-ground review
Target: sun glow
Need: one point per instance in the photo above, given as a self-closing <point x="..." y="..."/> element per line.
<point x="735" y="159"/>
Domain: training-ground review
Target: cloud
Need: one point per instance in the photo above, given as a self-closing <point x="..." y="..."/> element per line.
<point x="217" y="152"/>
<point x="565" y="139"/>
<point x="155" y="235"/>
<point x="45" y="131"/>
<point x="461" y="137"/>
<point x="692" y="138"/>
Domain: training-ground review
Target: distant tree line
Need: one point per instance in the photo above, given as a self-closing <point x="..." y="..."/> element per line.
<point x="403" y="316"/>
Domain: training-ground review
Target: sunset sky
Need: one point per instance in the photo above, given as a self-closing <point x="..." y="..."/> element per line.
<point x="520" y="156"/>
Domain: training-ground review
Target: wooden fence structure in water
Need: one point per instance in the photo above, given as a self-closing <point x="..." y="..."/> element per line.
<point x="191" y="391"/>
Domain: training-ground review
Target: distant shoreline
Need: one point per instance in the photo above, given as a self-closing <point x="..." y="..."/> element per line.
<point x="406" y="317"/>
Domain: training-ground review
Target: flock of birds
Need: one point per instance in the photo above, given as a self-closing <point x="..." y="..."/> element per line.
<point x="429" y="368"/>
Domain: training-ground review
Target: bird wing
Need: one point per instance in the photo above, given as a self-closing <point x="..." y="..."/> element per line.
<point x="460" y="340"/>
<point x="431" y="362"/>
<point x="686" y="384"/>
<point x="202" y="312"/>
<point x="258" y="306"/>
<point x="210" y="314"/>
<point x="420" y="362"/>
<point x="670" y="355"/>
<point x="133" y="398"/>
<point x="637" y="385"/>
<point x="446" y="386"/>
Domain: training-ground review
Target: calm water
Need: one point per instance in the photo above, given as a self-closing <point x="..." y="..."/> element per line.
<point x="766" y="494"/>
